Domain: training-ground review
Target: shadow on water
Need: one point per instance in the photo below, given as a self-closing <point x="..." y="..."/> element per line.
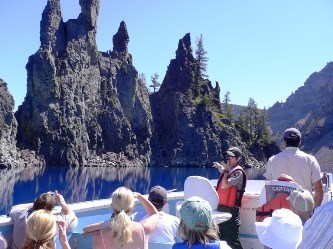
<point x="84" y="184"/>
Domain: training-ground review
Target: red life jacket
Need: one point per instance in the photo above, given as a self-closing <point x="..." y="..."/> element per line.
<point x="276" y="201"/>
<point x="228" y="196"/>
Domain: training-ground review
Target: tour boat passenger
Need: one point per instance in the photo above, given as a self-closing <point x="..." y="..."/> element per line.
<point x="318" y="230"/>
<point x="301" y="203"/>
<point x="41" y="229"/>
<point x="197" y="229"/>
<point x="120" y="231"/>
<point x="46" y="201"/>
<point x="167" y="226"/>
<point x="281" y="231"/>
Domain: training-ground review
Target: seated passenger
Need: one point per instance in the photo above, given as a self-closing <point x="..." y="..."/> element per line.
<point x="301" y="203"/>
<point x="3" y="242"/>
<point x="21" y="212"/>
<point x="167" y="226"/>
<point x="197" y="228"/>
<point x="41" y="230"/>
<point x="318" y="230"/>
<point x="120" y="231"/>
<point x="274" y="196"/>
<point x="281" y="231"/>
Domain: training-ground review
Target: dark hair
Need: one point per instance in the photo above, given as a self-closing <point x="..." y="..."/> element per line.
<point x="44" y="201"/>
<point x="292" y="142"/>
<point x="158" y="206"/>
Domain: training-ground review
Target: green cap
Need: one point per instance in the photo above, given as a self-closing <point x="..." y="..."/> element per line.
<point x="234" y="151"/>
<point x="196" y="213"/>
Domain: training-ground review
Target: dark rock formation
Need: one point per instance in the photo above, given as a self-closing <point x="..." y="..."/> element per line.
<point x="8" y="126"/>
<point x="310" y="109"/>
<point x="10" y="156"/>
<point x="85" y="107"/>
<point x="189" y="128"/>
<point x="80" y="102"/>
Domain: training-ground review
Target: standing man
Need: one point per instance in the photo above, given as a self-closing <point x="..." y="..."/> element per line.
<point x="230" y="188"/>
<point x="302" y="167"/>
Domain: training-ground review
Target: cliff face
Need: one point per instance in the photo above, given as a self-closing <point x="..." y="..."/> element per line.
<point x="81" y="102"/>
<point x="189" y="128"/>
<point x="310" y="109"/>
<point x="8" y="126"/>
<point x="85" y="107"/>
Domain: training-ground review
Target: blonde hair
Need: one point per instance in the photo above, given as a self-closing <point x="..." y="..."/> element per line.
<point x="191" y="236"/>
<point x="122" y="203"/>
<point x="40" y="230"/>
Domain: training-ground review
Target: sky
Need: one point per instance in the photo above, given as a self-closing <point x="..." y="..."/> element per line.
<point x="260" y="49"/>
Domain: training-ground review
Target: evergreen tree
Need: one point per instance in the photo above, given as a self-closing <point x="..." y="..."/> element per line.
<point x="254" y="125"/>
<point x="263" y="131"/>
<point x="228" y="110"/>
<point x="142" y="78"/>
<point x="155" y="84"/>
<point x="202" y="59"/>
<point x="252" y="115"/>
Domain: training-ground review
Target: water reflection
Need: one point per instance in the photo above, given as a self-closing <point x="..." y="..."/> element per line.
<point x="81" y="184"/>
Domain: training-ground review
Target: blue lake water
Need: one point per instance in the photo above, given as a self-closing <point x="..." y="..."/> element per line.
<point x="85" y="184"/>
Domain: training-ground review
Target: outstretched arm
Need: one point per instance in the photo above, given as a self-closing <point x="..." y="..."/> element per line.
<point x="319" y="193"/>
<point x="62" y="235"/>
<point x="93" y="227"/>
<point x="65" y="207"/>
<point x="149" y="224"/>
<point x="147" y="205"/>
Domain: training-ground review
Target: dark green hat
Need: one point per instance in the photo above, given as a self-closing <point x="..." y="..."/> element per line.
<point x="234" y="151"/>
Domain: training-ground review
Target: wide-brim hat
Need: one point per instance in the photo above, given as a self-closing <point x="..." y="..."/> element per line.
<point x="281" y="231"/>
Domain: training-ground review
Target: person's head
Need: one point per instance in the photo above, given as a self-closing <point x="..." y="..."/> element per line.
<point x="3" y="242"/>
<point x="282" y="230"/>
<point x="44" y="201"/>
<point x="233" y="156"/>
<point x="158" y="196"/>
<point x="40" y="230"/>
<point x="301" y="203"/>
<point x="196" y="224"/>
<point x="122" y="200"/>
<point x="122" y="203"/>
<point x="292" y="137"/>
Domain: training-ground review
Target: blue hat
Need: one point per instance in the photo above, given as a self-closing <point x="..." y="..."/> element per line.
<point x="196" y="213"/>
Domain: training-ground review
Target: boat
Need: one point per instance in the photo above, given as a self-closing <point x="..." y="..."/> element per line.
<point x="98" y="210"/>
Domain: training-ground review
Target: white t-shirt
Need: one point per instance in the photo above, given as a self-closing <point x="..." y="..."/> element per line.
<point x="166" y="230"/>
<point x="302" y="167"/>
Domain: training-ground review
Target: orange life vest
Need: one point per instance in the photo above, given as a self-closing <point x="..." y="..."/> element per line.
<point x="277" y="201"/>
<point x="228" y="196"/>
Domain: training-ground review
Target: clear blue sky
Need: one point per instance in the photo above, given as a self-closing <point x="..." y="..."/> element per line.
<point x="264" y="49"/>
